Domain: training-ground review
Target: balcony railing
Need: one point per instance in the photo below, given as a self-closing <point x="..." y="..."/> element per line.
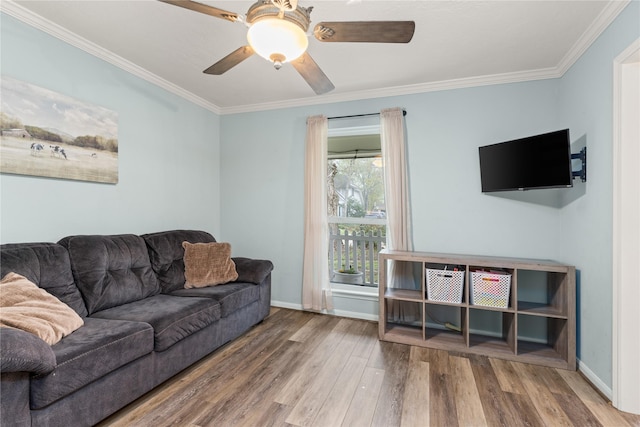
<point x="354" y="244"/>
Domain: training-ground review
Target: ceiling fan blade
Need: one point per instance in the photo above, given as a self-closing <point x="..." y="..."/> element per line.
<point x="230" y="61"/>
<point x="203" y="8"/>
<point x="365" y="31"/>
<point x="313" y="75"/>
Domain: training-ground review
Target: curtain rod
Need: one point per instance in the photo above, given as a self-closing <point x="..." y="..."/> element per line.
<point x="404" y="113"/>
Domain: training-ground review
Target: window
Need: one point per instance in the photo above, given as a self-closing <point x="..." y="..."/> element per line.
<point x="356" y="206"/>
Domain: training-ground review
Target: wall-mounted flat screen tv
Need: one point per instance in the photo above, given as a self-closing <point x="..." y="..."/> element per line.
<point x="540" y="161"/>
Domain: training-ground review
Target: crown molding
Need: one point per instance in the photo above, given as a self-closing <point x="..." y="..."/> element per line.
<point x="597" y="27"/>
<point x="604" y="19"/>
<point x="495" y="79"/>
<point x="34" y="20"/>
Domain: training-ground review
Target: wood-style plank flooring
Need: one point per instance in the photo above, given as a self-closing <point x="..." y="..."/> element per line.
<point x="303" y="369"/>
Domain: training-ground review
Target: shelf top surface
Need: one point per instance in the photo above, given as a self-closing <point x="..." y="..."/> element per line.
<point x="474" y="260"/>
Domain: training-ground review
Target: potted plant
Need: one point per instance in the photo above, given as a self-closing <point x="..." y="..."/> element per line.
<point x="348" y="275"/>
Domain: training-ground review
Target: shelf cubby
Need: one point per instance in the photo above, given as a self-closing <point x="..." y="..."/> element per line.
<point x="550" y="340"/>
<point x="498" y="334"/>
<point x="537" y="325"/>
<point x="411" y="325"/>
<point x="542" y="293"/>
<point x="439" y="336"/>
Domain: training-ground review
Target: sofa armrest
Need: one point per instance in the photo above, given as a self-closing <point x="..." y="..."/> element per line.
<point x="14" y="399"/>
<point x="252" y="270"/>
<point x="22" y="351"/>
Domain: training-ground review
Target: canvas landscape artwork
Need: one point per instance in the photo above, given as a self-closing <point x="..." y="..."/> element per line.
<point x="48" y="134"/>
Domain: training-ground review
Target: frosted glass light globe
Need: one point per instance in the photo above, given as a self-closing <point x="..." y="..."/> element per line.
<point x="277" y="40"/>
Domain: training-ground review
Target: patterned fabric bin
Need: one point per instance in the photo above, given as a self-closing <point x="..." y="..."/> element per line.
<point x="490" y="289"/>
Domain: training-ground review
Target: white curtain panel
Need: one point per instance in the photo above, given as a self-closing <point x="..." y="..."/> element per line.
<point x="396" y="184"/>
<point x="316" y="290"/>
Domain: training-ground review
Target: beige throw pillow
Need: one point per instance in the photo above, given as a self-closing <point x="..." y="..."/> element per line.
<point x="208" y="264"/>
<point x="25" y="306"/>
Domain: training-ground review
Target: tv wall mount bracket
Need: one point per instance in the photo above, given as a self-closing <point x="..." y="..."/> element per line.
<point x="582" y="173"/>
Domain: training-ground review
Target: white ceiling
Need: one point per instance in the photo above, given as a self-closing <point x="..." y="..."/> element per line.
<point x="456" y="44"/>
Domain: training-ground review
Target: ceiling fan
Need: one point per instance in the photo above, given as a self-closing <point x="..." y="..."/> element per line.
<point x="278" y="33"/>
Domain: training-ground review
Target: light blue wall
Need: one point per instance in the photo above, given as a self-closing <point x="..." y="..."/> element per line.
<point x="168" y="151"/>
<point x="262" y="175"/>
<point x="444" y="131"/>
<point x="263" y="172"/>
<point x="587" y="108"/>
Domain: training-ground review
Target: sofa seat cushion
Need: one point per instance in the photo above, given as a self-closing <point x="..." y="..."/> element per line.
<point x="94" y="350"/>
<point x="172" y="318"/>
<point x="231" y="296"/>
<point x="111" y="270"/>
<point x="167" y="255"/>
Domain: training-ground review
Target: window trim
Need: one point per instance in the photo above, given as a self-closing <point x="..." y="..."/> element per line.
<point x="353" y="131"/>
<point x="358" y="292"/>
<point x="346" y="290"/>
<point x="355" y="220"/>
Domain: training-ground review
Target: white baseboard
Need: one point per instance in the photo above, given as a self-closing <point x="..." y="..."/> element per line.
<point x="283" y="304"/>
<point x="339" y="313"/>
<point x="354" y="315"/>
<point x="595" y="380"/>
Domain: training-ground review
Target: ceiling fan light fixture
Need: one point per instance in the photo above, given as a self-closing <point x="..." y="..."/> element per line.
<point x="278" y="33"/>
<point x="277" y="40"/>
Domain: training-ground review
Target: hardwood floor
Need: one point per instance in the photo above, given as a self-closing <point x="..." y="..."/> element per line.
<point x="304" y="369"/>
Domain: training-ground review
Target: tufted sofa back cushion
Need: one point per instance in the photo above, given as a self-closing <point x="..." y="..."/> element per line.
<point x="47" y="265"/>
<point x="167" y="255"/>
<point x="111" y="270"/>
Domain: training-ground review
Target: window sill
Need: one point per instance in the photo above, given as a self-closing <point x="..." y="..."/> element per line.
<point x="366" y="293"/>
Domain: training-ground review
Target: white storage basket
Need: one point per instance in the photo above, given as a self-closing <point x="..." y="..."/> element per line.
<point x="490" y="289"/>
<point x="445" y="285"/>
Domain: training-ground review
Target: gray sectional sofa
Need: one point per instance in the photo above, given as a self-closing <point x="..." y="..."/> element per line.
<point x="141" y="326"/>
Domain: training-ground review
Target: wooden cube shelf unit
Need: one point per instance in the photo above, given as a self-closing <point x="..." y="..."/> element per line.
<point x="538" y="324"/>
